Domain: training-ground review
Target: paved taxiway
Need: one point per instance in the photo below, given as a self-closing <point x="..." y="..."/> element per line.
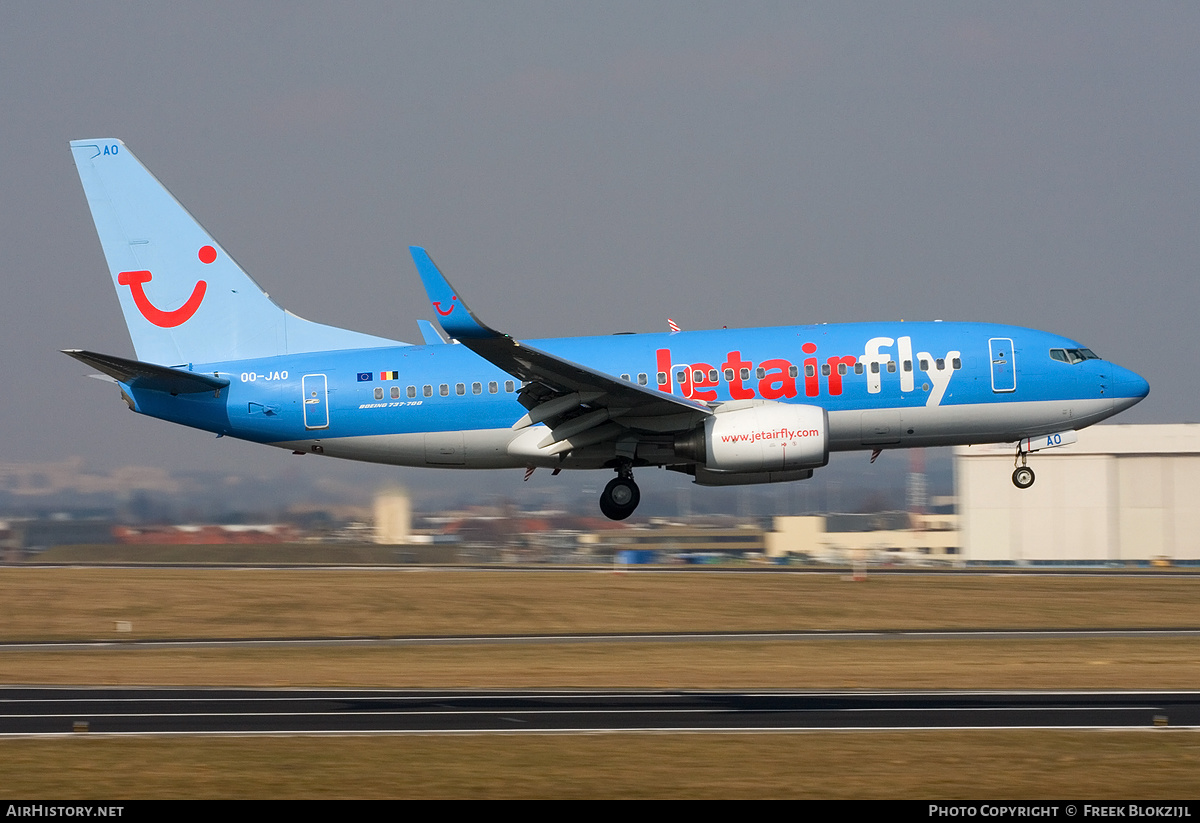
<point x="596" y="637"/>
<point x="67" y="710"/>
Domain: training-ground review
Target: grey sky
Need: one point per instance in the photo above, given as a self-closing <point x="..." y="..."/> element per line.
<point x="584" y="169"/>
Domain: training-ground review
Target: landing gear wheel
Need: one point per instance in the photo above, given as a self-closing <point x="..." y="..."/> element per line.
<point x="1023" y="477"/>
<point x="620" y="497"/>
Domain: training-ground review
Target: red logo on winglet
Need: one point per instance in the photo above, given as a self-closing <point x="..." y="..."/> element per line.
<point x="444" y="313"/>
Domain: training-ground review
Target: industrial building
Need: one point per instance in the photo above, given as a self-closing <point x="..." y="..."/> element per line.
<point x="1124" y="494"/>
<point x="884" y="537"/>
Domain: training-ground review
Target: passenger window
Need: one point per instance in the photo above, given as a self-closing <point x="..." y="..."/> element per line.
<point x="908" y="365"/>
<point x="858" y="368"/>
<point x="476" y="388"/>
<point x="444" y="390"/>
<point x="510" y="386"/>
<point x="412" y="391"/>
<point x="729" y="375"/>
<point x="680" y="377"/>
<point x="427" y="390"/>
<point x="662" y="378"/>
<point x="941" y="363"/>
<point x="712" y="376"/>
<point x="761" y="372"/>
<point x="841" y="368"/>
<point x="924" y="364"/>
<point x="956" y="363"/>
<point x="809" y="371"/>
<point x="460" y="389"/>
<point x="378" y="392"/>
<point x="697" y="376"/>
<point x="891" y="367"/>
<point x="794" y="372"/>
<point x="642" y="379"/>
<point x="493" y="387"/>
<point x="825" y="369"/>
<point x="395" y="392"/>
<point x="874" y="368"/>
<point x="745" y="374"/>
<point x="625" y="377"/>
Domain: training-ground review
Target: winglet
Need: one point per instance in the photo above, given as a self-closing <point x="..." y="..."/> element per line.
<point x="452" y="312"/>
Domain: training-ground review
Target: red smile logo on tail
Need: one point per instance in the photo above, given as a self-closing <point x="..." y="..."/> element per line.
<point x="160" y="318"/>
<point x="445" y="312"/>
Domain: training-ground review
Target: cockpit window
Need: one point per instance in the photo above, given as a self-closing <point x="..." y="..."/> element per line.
<point x="1073" y="355"/>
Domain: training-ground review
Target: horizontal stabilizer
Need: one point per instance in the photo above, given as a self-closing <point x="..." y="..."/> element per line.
<point x="139" y="375"/>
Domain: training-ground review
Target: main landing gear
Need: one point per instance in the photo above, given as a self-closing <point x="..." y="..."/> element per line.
<point x="1022" y="475"/>
<point x="621" y="496"/>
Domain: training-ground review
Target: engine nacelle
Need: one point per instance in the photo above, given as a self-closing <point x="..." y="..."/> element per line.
<point x="703" y="477"/>
<point x="759" y="436"/>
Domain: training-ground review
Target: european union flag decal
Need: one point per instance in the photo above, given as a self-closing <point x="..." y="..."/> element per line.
<point x="364" y="376"/>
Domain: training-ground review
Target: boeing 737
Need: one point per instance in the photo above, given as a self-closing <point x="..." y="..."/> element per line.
<point x="726" y="407"/>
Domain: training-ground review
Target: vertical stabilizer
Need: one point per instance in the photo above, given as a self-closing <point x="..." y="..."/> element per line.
<point x="184" y="298"/>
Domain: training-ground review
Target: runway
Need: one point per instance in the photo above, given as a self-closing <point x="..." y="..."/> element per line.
<point x="595" y="637"/>
<point x="119" y="711"/>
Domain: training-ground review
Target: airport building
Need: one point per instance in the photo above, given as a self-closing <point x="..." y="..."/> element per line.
<point x="884" y="537"/>
<point x="393" y="517"/>
<point x="1124" y="494"/>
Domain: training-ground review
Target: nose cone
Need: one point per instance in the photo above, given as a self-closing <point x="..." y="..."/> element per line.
<point x="1129" y="388"/>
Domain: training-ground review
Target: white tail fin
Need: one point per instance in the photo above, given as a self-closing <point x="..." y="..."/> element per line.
<point x="185" y="300"/>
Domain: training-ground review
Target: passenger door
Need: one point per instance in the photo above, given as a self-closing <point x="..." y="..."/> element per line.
<point x="1004" y="367"/>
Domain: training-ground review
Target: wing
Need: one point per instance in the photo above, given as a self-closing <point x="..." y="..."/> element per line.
<point x="583" y="406"/>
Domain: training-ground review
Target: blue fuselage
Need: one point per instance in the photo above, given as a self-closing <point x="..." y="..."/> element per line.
<point x="882" y="384"/>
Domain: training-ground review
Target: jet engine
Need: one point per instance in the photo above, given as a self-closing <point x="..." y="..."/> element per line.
<point x="752" y="436"/>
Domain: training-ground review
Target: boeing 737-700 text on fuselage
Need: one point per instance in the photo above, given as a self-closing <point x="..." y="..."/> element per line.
<point x="728" y="407"/>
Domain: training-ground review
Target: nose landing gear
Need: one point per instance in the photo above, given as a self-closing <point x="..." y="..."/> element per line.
<point x="1022" y="475"/>
<point x="621" y="496"/>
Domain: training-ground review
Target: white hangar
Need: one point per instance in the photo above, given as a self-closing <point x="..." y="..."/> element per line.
<point x="1124" y="494"/>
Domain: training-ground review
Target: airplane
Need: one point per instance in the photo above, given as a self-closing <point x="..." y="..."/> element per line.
<point x="724" y="406"/>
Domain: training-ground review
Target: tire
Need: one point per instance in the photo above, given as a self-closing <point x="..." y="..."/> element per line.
<point x="620" y="498"/>
<point x="1023" y="477"/>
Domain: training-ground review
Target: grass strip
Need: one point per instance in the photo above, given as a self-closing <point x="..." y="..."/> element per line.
<point x="88" y="603"/>
<point x="893" y="663"/>
<point x="994" y="765"/>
